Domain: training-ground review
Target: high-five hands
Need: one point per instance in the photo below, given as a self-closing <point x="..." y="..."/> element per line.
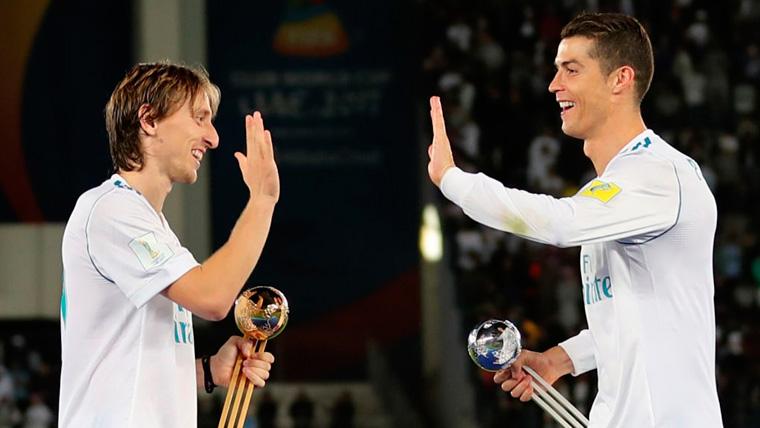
<point x="439" y="152"/>
<point x="257" y="165"/>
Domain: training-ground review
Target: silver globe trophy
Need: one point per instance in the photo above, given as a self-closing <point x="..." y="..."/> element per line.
<point x="495" y="345"/>
<point x="261" y="313"/>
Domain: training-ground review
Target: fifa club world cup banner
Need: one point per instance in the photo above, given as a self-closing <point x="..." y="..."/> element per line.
<point x="60" y="61"/>
<point x="334" y="84"/>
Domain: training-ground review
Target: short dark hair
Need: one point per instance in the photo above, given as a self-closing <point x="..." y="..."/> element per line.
<point x="164" y="87"/>
<point x="618" y="40"/>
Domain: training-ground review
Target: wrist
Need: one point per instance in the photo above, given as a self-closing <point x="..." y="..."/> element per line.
<point x="560" y="360"/>
<point x="261" y="205"/>
<point x="215" y="372"/>
<point x="208" y="374"/>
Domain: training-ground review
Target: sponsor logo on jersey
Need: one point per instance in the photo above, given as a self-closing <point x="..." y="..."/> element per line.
<point x="183" y="325"/>
<point x="595" y="288"/>
<point x="601" y="191"/>
<point x="149" y="251"/>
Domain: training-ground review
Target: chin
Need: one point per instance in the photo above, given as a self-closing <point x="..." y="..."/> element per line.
<point x="570" y="132"/>
<point x="188" y="178"/>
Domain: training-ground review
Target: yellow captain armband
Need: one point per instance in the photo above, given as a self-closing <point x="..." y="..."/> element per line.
<point x="601" y="191"/>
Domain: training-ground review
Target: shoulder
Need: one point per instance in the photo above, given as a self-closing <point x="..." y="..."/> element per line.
<point x="643" y="162"/>
<point x="118" y="204"/>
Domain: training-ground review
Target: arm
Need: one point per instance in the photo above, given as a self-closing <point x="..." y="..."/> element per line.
<point x="210" y="289"/>
<point x="641" y="200"/>
<point x="644" y="203"/>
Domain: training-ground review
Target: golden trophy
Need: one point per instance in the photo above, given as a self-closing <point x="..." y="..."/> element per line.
<point x="261" y="313"/>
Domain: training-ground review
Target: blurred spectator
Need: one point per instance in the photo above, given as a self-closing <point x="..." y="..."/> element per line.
<point x="38" y="414"/>
<point x="267" y="410"/>
<point x="343" y="411"/>
<point x="302" y="411"/>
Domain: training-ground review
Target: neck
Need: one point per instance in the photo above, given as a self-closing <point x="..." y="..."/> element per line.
<point x="153" y="186"/>
<point x="617" y="131"/>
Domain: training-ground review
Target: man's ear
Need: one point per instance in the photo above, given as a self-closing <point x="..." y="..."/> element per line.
<point x="622" y="79"/>
<point x="147" y="120"/>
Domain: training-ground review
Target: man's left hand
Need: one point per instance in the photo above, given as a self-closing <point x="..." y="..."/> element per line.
<point x="255" y="367"/>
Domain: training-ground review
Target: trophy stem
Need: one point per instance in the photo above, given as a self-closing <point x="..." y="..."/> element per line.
<point x="239" y="386"/>
<point x="259" y="347"/>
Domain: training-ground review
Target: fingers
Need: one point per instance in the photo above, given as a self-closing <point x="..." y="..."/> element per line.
<point x="257" y="375"/>
<point x="521" y="389"/>
<point x="502" y="375"/>
<point x="267" y="147"/>
<point x="527" y="393"/>
<point x="241" y="162"/>
<point x="254" y="135"/>
<point x="516" y="382"/>
<point x="246" y="348"/>
<point x="436" y="114"/>
<point x="257" y="368"/>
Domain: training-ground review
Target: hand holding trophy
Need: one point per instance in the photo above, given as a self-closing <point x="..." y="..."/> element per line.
<point x="261" y="313"/>
<point x="494" y="345"/>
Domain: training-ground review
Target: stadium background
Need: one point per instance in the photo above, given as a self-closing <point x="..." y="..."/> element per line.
<point x="377" y="331"/>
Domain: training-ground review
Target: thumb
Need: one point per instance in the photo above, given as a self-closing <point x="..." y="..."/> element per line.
<point x="517" y="367"/>
<point x="241" y="161"/>
<point x="246" y="348"/>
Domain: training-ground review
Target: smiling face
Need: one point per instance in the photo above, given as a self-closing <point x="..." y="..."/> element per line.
<point x="581" y="88"/>
<point x="181" y="140"/>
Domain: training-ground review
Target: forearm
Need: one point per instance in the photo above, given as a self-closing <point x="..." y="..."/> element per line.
<point x="487" y="201"/>
<point x="225" y="272"/>
<point x="210" y="289"/>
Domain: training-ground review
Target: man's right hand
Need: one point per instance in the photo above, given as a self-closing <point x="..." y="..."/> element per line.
<point x="257" y="166"/>
<point x="441" y="158"/>
<point x="550" y="365"/>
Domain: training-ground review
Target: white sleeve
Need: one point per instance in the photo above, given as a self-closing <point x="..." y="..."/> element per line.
<point x="637" y="199"/>
<point x="130" y="247"/>
<point x="580" y="349"/>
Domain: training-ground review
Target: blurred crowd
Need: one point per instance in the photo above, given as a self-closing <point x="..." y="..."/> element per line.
<point x="492" y="61"/>
<point x="28" y="384"/>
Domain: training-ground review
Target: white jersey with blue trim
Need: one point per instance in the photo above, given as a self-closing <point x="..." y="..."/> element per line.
<point x="128" y="358"/>
<point x="646" y="227"/>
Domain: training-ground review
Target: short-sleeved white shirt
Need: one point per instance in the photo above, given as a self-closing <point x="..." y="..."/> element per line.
<point x="128" y="358"/>
<point x="646" y="227"/>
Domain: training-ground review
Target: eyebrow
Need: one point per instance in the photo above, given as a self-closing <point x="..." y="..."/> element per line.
<point x="566" y="63"/>
<point x="202" y="111"/>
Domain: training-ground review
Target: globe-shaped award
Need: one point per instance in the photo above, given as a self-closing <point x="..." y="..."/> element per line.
<point x="261" y="313"/>
<point x="494" y="345"/>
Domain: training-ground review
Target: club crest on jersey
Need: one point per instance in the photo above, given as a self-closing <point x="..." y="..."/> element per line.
<point x="601" y="191"/>
<point x="149" y="251"/>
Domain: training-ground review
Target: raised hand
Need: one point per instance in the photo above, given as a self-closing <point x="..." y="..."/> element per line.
<point x="439" y="152"/>
<point x="257" y="166"/>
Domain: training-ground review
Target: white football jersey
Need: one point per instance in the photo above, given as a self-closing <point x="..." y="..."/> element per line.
<point x="646" y="227"/>
<point x="128" y="358"/>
